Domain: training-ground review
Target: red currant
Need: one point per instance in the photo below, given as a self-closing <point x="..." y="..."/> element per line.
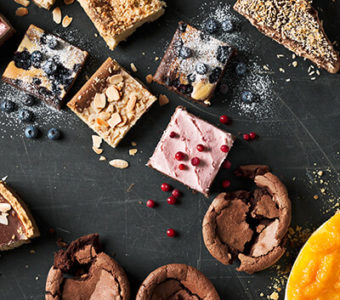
<point x="150" y="203"/>
<point x="252" y="135"/>
<point x="224" y="119"/>
<point x="179" y="155"/>
<point x="246" y="137"/>
<point x="226" y="183"/>
<point x="181" y="167"/>
<point x="176" y="193"/>
<point x="200" y="148"/>
<point x="171" y="200"/>
<point x="170" y="232"/>
<point x="172" y="134"/>
<point x="195" y="161"/>
<point x="226" y="164"/>
<point x="165" y="187"/>
<point x="225" y="148"/>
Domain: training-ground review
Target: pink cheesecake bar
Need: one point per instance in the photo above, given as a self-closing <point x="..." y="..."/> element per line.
<point x="191" y="151"/>
<point x="6" y="30"/>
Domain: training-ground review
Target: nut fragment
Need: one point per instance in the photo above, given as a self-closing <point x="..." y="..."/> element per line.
<point x="96" y="141"/>
<point x="115" y="79"/>
<point x="132" y="103"/>
<point x="102" y="158"/>
<point x="5" y="207"/>
<point x="132" y="152"/>
<point x="68" y="2"/>
<point x="3" y="219"/>
<point x="56" y="13"/>
<point x="23" y="2"/>
<point x="67" y="21"/>
<point x="163" y="100"/>
<point x="119" y="163"/>
<point x="133" y="67"/>
<point x="97" y="150"/>
<point x="115" y="120"/>
<point x="21" y="11"/>
<point x="202" y="91"/>
<point x="112" y="93"/>
<point x="149" y="78"/>
<point x="99" y="101"/>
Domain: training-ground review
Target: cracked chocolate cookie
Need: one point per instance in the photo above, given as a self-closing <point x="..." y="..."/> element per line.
<point x="249" y="226"/>
<point x="177" y="281"/>
<point x="84" y="272"/>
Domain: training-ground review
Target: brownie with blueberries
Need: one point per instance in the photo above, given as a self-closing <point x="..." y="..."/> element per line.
<point x="45" y="66"/>
<point x="193" y="64"/>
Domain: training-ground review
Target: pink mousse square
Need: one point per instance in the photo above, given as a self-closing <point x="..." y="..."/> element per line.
<point x="184" y="132"/>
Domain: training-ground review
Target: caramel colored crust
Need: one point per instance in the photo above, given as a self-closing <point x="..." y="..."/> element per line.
<point x="31" y="229"/>
<point x="189" y="278"/>
<point x="309" y="39"/>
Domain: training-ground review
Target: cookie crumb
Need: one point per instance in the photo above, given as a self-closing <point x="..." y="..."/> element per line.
<point x="163" y="100"/>
<point x="21" y="12"/>
<point x="133" y="67"/>
<point x="149" y="78"/>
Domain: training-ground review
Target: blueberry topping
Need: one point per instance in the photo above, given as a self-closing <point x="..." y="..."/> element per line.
<point x="7" y="106"/>
<point x="31" y="132"/>
<point x="241" y="68"/>
<point x="211" y="26"/>
<point x="215" y="75"/>
<point x="185" y="88"/>
<point x="53" y="134"/>
<point x="52" y="43"/>
<point x="204" y="37"/>
<point x="36" y="59"/>
<point x="201" y="68"/>
<point x="182" y="27"/>
<point x="247" y="96"/>
<point x="22" y="60"/>
<point x="191" y="77"/>
<point x="223" y="88"/>
<point x="50" y="67"/>
<point x="223" y="53"/>
<point x="227" y="26"/>
<point x="25" y="115"/>
<point x="36" y="81"/>
<point x="28" y="100"/>
<point x="185" y="52"/>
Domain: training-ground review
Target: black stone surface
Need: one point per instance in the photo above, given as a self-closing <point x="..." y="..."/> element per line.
<point x="70" y="190"/>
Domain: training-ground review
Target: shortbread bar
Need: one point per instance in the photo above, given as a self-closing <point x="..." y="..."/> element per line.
<point x="111" y="102"/>
<point x="117" y="20"/>
<point x="45" y="66"/>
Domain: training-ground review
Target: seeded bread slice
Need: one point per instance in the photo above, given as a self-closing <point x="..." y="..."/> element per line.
<point x="294" y="24"/>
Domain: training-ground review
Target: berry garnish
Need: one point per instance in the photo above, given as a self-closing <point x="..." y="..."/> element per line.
<point x="211" y="26"/>
<point x="224" y="119"/>
<point x="176" y="193"/>
<point x="201" y="68"/>
<point x="171" y="200"/>
<point x="226" y="164"/>
<point x="28" y="100"/>
<point x="226" y="184"/>
<point x="247" y="96"/>
<point x="53" y="134"/>
<point x="241" y="68"/>
<point x="52" y="43"/>
<point x="50" y="67"/>
<point x="215" y="75"/>
<point x="252" y="135"/>
<point x="185" y="52"/>
<point x="200" y="148"/>
<point x="172" y="134"/>
<point x="224" y="148"/>
<point x="165" y="187"/>
<point x="150" y="203"/>
<point x="25" y="115"/>
<point x="36" y="58"/>
<point x="7" y="106"/>
<point x="246" y="137"/>
<point x="31" y="132"/>
<point x="182" y="167"/>
<point x="170" y="232"/>
<point x="179" y="155"/>
<point x="195" y="161"/>
<point x="223" y="53"/>
<point x="227" y="26"/>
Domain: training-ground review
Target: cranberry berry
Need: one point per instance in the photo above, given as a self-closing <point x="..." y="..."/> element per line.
<point x="200" y="148"/>
<point x="224" y="119"/>
<point x="176" y="193"/>
<point x="252" y="135"/>
<point x="182" y="167"/>
<point x="172" y="134"/>
<point x="171" y="200"/>
<point x="179" y="155"/>
<point x="170" y="232"/>
<point x="224" y="148"/>
<point x="226" y="164"/>
<point x="150" y="203"/>
<point x="195" y="161"/>
<point x="246" y="137"/>
<point x="165" y="187"/>
<point x="226" y="184"/>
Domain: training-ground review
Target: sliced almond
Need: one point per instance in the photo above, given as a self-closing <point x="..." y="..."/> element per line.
<point x="21" y="12"/>
<point x="5" y="207"/>
<point x="96" y="141"/>
<point x="102" y="158"/>
<point x="110" y="108"/>
<point x="202" y="91"/>
<point x="101" y="122"/>
<point x="149" y="78"/>
<point x="97" y="150"/>
<point x="56" y="14"/>
<point x="67" y="21"/>
<point x="132" y="152"/>
<point x="68" y="2"/>
<point x="163" y="100"/>
<point x="133" y="67"/>
<point x="123" y="122"/>
<point x="132" y="103"/>
<point x="119" y="163"/>
<point x="112" y="93"/>
<point x="115" y="120"/>
<point x="99" y="101"/>
<point x="3" y="219"/>
<point x="23" y="2"/>
<point x="115" y="79"/>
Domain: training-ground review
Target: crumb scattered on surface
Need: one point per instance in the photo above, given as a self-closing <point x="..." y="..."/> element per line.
<point x="21" y="12"/>
<point x="163" y="100"/>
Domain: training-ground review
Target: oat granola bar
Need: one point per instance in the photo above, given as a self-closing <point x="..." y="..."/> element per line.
<point x="111" y="102"/>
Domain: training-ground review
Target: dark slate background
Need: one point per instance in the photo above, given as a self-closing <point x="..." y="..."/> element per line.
<point x="68" y="189"/>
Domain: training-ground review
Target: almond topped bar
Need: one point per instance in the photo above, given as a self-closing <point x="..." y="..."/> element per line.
<point x="116" y="20"/>
<point x="47" y="4"/>
<point x="111" y="102"/>
<point x="294" y="24"/>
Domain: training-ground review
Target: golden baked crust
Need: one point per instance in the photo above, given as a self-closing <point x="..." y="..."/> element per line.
<point x="117" y="19"/>
<point x="294" y="24"/>
<point x="30" y="228"/>
<point x="111" y="102"/>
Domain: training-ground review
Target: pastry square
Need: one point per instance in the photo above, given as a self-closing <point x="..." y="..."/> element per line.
<point x="111" y="102"/>
<point x="178" y="155"/>
<point x="294" y="24"/>
<point x="47" y="4"/>
<point x="17" y="226"/>
<point x="6" y="30"/>
<point x="117" y="20"/>
<point x="193" y="64"/>
<point x="45" y="66"/>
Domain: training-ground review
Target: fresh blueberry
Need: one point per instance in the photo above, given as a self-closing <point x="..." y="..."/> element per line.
<point x="247" y="96"/>
<point x="50" y="67"/>
<point x="223" y="53"/>
<point x="36" y="81"/>
<point x="53" y="134"/>
<point x="31" y="132"/>
<point x="182" y="26"/>
<point x="185" y="52"/>
<point x="36" y="59"/>
<point x="22" y="60"/>
<point x="215" y="75"/>
<point x="227" y="26"/>
<point x="201" y="68"/>
<point x="223" y="88"/>
<point x="28" y="100"/>
<point x="191" y="77"/>
<point x="241" y="68"/>
<point x="7" y="106"/>
<point x="52" y="43"/>
<point x="211" y="26"/>
<point x="25" y="115"/>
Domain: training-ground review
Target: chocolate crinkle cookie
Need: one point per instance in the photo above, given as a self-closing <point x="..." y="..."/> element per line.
<point x="83" y="271"/>
<point x="250" y="226"/>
